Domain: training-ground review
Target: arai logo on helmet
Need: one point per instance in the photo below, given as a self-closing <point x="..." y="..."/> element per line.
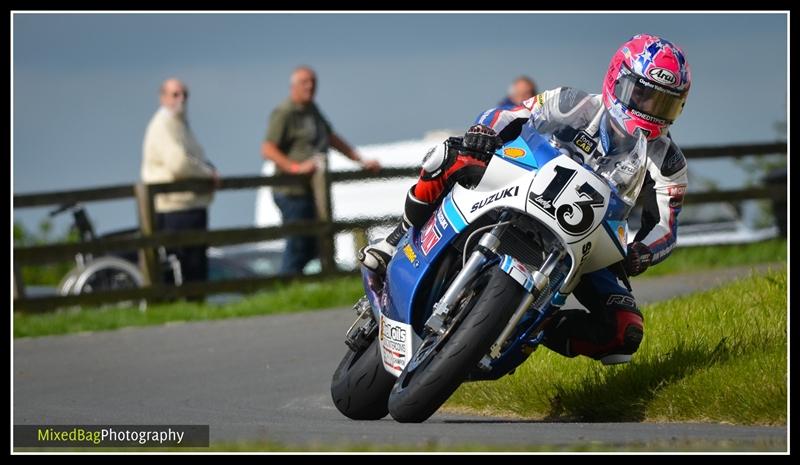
<point x="663" y="76"/>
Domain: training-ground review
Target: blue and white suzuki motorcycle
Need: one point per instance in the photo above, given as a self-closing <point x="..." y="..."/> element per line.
<point x="468" y="296"/>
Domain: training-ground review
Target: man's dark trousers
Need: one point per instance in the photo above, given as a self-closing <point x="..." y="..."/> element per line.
<point x="299" y="249"/>
<point x="194" y="262"/>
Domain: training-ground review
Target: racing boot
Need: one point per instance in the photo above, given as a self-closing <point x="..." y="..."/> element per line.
<point x="376" y="256"/>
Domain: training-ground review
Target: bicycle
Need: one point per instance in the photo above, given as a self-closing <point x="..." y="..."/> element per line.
<point x="117" y="270"/>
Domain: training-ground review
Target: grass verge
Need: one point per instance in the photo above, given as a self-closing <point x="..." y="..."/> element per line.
<point x="714" y="356"/>
<point x="283" y="298"/>
<point x="688" y="259"/>
<point x="337" y="293"/>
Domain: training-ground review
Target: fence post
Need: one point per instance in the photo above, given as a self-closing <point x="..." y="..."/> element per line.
<point x="148" y="259"/>
<point x="777" y="182"/>
<point x="321" y="186"/>
<point x="19" y="284"/>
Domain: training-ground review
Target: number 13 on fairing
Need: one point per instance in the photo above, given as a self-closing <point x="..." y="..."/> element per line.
<point x="577" y="209"/>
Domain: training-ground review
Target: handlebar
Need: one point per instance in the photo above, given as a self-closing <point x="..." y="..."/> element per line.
<point x="61" y="209"/>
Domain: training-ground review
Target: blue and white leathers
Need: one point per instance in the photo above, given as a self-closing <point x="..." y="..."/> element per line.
<point x="583" y="206"/>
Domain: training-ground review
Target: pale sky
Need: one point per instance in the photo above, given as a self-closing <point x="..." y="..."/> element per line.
<point x="85" y="85"/>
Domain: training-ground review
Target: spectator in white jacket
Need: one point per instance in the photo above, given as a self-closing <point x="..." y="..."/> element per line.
<point x="172" y="153"/>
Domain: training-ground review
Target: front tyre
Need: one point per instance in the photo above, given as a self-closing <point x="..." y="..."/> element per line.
<point x="428" y="381"/>
<point x="360" y="386"/>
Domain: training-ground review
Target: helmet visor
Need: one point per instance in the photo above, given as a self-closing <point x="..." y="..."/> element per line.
<point x="657" y="103"/>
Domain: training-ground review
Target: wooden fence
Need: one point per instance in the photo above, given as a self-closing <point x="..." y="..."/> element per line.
<point x="325" y="228"/>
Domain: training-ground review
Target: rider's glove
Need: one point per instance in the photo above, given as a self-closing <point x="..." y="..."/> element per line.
<point x="638" y="258"/>
<point x="482" y="140"/>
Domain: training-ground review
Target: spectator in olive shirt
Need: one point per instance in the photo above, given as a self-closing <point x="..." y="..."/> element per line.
<point x="297" y="135"/>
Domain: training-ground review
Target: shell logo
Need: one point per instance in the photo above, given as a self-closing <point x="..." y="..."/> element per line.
<point x="514" y="152"/>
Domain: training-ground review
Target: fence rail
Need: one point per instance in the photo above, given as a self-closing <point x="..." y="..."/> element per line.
<point x="40" y="254"/>
<point x="148" y="239"/>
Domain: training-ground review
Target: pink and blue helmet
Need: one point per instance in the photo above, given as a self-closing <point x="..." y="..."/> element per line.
<point x="646" y="85"/>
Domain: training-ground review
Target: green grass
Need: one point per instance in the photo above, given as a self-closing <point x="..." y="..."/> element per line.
<point x="46" y="275"/>
<point x="283" y="298"/>
<point x="715" y="356"/>
<point x="688" y="259"/>
<point x="337" y="293"/>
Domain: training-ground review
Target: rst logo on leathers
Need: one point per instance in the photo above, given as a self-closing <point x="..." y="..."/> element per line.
<point x="510" y="192"/>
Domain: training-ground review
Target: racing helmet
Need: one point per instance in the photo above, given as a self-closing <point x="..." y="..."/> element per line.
<point x="646" y="85"/>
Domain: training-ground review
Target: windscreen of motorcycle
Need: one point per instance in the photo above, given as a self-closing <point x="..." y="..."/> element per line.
<point x="624" y="171"/>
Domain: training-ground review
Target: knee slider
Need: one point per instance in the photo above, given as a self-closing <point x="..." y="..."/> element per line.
<point x="633" y="332"/>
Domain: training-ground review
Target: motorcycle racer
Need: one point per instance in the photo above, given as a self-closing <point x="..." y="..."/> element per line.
<point x="644" y="90"/>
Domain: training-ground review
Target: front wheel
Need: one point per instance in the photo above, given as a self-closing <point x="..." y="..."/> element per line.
<point x="442" y="362"/>
<point x="360" y="386"/>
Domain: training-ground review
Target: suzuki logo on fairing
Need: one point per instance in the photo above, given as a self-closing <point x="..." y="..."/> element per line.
<point x="510" y="192"/>
<point x="662" y="76"/>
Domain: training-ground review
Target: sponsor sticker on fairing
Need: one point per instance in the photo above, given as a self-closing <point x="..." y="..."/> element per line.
<point x="514" y="152"/>
<point x="430" y="236"/>
<point x="395" y="340"/>
<point x="409" y="253"/>
<point x="441" y="219"/>
<point x="622" y="234"/>
<point x="518" y="272"/>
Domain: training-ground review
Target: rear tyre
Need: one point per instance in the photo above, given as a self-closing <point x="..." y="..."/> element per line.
<point x="360" y="386"/>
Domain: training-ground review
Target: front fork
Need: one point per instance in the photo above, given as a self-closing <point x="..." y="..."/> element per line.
<point x="541" y="279"/>
<point x="485" y="250"/>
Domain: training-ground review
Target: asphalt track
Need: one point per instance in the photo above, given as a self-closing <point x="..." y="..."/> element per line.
<point x="267" y="379"/>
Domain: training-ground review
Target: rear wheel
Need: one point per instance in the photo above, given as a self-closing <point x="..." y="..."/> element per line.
<point x="443" y="361"/>
<point x="108" y="273"/>
<point x="360" y="386"/>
